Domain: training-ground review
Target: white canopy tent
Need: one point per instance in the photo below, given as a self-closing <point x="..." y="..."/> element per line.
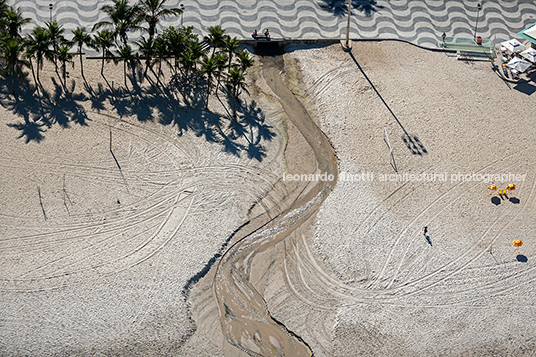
<point x="529" y="54"/>
<point x="531" y="32"/>
<point x="513" y="45"/>
<point x="518" y="64"/>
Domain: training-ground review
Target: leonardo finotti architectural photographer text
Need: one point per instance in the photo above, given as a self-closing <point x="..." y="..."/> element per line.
<point x="409" y="177"/>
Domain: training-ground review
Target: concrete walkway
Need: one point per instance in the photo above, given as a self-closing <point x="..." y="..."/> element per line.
<point x="417" y="21"/>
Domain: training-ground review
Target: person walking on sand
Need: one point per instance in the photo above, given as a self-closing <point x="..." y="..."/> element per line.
<point x="425" y="230"/>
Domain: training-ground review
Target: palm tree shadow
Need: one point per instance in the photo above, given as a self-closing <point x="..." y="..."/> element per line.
<point x="25" y="104"/>
<point x="45" y="110"/>
<point x="412" y="141"/>
<point x="340" y="7"/>
<point x="64" y="109"/>
<point x="99" y="97"/>
<point x="247" y="133"/>
<point x="255" y="130"/>
<point x="30" y="130"/>
<point x="189" y="87"/>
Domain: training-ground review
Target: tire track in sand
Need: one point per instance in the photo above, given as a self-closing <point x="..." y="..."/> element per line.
<point x="245" y="320"/>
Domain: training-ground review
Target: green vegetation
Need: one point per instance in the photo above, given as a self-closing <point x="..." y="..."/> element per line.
<point x="190" y="62"/>
<point x="179" y="71"/>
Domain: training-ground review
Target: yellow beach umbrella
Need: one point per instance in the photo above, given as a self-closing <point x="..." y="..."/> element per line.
<point x="492" y="187"/>
<point x="510" y="187"/>
<point x="517" y="243"/>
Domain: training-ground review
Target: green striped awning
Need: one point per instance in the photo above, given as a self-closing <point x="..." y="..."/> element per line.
<point x="529" y="33"/>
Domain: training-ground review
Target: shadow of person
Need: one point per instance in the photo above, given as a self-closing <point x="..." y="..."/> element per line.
<point x="521" y="258"/>
<point x="496" y="201"/>
<point x="428" y="240"/>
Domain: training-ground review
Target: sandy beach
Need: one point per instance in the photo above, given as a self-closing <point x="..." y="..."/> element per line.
<point x="98" y="246"/>
<point x="366" y="279"/>
<point x="114" y="252"/>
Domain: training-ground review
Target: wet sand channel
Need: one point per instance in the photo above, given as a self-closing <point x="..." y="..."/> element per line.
<point x="245" y="321"/>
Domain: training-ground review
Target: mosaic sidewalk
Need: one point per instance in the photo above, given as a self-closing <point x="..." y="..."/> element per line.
<point x="417" y="21"/>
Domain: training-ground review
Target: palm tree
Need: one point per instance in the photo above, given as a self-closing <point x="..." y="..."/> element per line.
<point x="147" y="48"/>
<point x="55" y="38"/>
<point x="209" y="68"/>
<point x="175" y="42"/>
<point x="37" y="45"/>
<point x="11" y="50"/>
<point x="126" y="55"/>
<point x="237" y="81"/>
<point x="161" y="51"/>
<point x="153" y="11"/>
<point x="29" y="57"/>
<point x="81" y="38"/>
<point x="215" y="38"/>
<point x="220" y="59"/>
<point x="244" y="60"/>
<point x="188" y="62"/>
<point x="231" y="46"/>
<point x="123" y="18"/>
<point x="13" y="21"/>
<point x="4" y="8"/>
<point x="197" y="51"/>
<point x="64" y="56"/>
<point x="102" y="41"/>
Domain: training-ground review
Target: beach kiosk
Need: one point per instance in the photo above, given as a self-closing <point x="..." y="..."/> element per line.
<point x="529" y="34"/>
<point x="470" y="48"/>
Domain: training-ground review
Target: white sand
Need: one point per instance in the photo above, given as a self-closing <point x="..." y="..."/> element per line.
<point x="380" y="288"/>
<point x="105" y="272"/>
<point x="102" y="277"/>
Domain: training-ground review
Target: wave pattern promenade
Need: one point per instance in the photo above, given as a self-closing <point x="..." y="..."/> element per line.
<point x="420" y="22"/>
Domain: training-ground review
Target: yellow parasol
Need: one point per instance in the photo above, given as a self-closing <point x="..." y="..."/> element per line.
<point x="517" y="243"/>
<point x="492" y="187"/>
<point x="510" y="187"/>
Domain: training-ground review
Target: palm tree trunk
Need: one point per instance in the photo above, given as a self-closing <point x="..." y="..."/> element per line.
<point x="38" y="77"/>
<point x="55" y="57"/>
<point x="81" y="63"/>
<point x="59" y="77"/>
<point x="147" y="65"/>
<point x="234" y="94"/>
<point x="124" y="39"/>
<point x="208" y="94"/>
<point x="125" y="73"/>
<point x="218" y="83"/>
<point x="102" y="74"/>
<point x="157" y="79"/>
<point x="152" y="27"/>
<point x="13" y="80"/>
<point x="102" y="66"/>
<point x="234" y="107"/>
<point x="82" y="70"/>
<point x="64" y="74"/>
<point x="160" y="69"/>
<point x="33" y="74"/>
